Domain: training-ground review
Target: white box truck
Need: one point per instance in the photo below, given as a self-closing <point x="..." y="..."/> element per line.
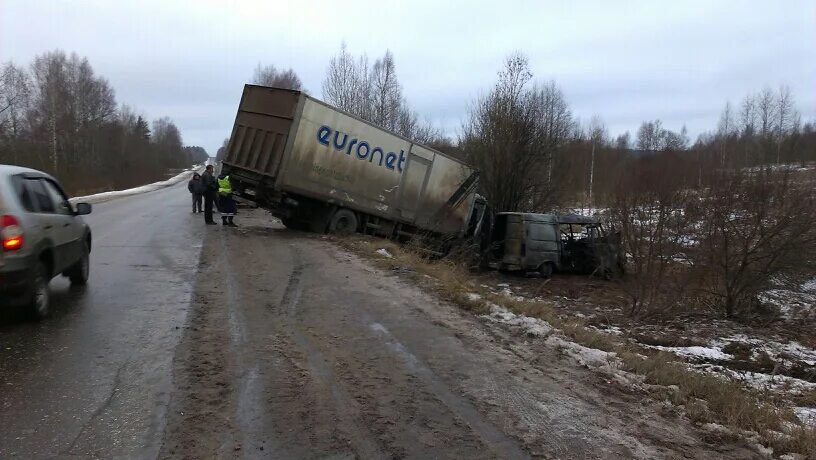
<point x="319" y="168"/>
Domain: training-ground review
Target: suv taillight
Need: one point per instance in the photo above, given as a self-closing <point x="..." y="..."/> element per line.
<point x="11" y="233"/>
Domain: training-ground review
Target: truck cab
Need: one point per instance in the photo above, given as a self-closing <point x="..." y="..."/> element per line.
<point x="546" y="243"/>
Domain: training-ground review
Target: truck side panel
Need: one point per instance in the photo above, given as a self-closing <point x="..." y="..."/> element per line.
<point x="342" y="160"/>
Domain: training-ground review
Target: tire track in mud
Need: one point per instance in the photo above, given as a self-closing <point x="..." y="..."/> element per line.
<point x="198" y="419"/>
<point x="499" y="442"/>
<point x="360" y="438"/>
<point x="407" y="408"/>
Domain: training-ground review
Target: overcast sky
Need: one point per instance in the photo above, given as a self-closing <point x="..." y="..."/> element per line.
<point x="624" y="61"/>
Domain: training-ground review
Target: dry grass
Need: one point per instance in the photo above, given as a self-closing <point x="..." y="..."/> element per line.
<point x="705" y="398"/>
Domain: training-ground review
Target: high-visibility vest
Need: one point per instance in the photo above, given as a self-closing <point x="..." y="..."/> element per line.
<point x="224" y="186"/>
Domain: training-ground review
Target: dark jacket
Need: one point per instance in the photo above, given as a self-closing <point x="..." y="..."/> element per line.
<point x="196" y="186"/>
<point x="209" y="183"/>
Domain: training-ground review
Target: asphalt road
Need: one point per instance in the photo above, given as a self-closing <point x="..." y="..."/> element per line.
<point x="95" y="377"/>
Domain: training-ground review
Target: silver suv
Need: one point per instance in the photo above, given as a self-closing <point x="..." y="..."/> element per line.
<point x="41" y="236"/>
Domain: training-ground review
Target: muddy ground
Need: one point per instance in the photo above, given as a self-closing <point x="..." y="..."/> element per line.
<point x="294" y="348"/>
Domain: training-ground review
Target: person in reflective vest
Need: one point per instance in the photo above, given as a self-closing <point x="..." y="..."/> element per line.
<point x="225" y="201"/>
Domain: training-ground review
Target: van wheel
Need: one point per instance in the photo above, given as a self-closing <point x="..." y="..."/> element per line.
<point x="79" y="273"/>
<point x="546" y="270"/>
<point x="343" y="222"/>
<point x="40" y="293"/>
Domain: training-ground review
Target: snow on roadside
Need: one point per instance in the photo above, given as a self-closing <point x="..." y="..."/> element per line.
<point x="806" y="414"/>
<point x="585" y="356"/>
<point x="107" y="196"/>
<point x="531" y="326"/>
<point x="696" y="352"/>
<point x="785" y="353"/>
<point x="384" y="252"/>
<point x="759" y="380"/>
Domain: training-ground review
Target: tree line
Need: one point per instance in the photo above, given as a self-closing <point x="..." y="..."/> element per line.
<point x="57" y="115"/>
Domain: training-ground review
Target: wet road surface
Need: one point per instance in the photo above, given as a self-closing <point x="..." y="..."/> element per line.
<point x="94" y="379"/>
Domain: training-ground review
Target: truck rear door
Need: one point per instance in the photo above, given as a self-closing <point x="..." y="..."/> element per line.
<point x="261" y="130"/>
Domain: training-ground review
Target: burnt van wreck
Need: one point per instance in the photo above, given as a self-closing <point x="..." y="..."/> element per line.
<point x="546" y="243"/>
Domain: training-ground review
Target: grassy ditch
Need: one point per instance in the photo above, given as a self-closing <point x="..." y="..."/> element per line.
<point x="705" y="398"/>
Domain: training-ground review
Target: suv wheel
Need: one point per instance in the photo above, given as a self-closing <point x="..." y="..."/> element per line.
<point x="78" y="274"/>
<point x="40" y="293"/>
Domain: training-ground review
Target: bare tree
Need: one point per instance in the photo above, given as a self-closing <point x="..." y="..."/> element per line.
<point x="651" y="136"/>
<point x="766" y="107"/>
<point x="654" y="229"/>
<point x="756" y="227"/>
<point x="374" y="94"/>
<point x="15" y="99"/>
<point x="785" y="118"/>
<point x="675" y="142"/>
<point x="386" y="93"/>
<point x="597" y="137"/>
<point x="342" y="85"/>
<point x="511" y="135"/>
<point x="624" y="141"/>
<point x="726" y="128"/>
<point x="270" y="76"/>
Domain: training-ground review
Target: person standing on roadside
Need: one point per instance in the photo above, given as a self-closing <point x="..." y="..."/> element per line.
<point x="226" y="204"/>
<point x="196" y="188"/>
<point x="210" y="189"/>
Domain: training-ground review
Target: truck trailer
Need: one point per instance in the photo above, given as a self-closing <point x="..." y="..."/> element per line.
<point x="322" y="169"/>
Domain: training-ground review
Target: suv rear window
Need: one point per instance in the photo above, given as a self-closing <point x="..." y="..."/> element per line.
<point x="23" y="193"/>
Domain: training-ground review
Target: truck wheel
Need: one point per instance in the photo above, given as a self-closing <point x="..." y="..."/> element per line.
<point x="78" y="274"/>
<point x="343" y="222"/>
<point x="40" y="293"/>
<point x="546" y="270"/>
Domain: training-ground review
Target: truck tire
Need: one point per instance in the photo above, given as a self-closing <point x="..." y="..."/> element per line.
<point x="343" y="222"/>
<point x="40" y="300"/>
<point x="80" y="271"/>
<point x="546" y="270"/>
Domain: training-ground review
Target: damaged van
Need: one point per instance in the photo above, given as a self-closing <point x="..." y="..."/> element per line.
<point x="545" y="243"/>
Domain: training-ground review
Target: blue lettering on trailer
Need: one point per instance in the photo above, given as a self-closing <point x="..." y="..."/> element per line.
<point x="361" y="149"/>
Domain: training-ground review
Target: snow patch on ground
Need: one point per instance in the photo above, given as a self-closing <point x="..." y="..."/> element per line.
<point x="806" y="414"/>
<point x="585" y="356"/>
<point x="531" y="326"/>
<point x="107" y="196"/>
<point x="473" y="296"/>
<point x="613" y="330"/>
<point x="785" y="353"/>
<point x="384" y="252"/>
<point x="696" y="353"/>
<point x="759" y="380"/>
<point x="589" y="357"/>
<point x="791" y="303"/>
